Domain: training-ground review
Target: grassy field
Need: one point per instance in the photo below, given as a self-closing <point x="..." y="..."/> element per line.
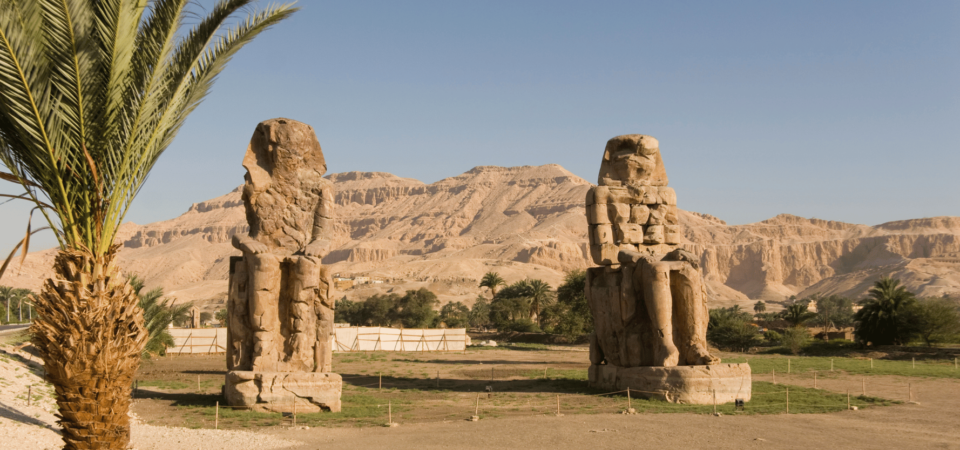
<point x="524" y="381"/>
<point x="365" y="407"/>
<point x="763" y="364"/>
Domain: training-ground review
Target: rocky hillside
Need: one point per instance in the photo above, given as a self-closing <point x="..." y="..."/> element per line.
<point x="529" y="222"/>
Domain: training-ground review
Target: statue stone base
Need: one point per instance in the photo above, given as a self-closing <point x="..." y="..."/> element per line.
<point x="689" y="385"/>
<point x="277" y="391"/>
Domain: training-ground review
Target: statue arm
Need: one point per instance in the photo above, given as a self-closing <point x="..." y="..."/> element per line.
<point x="683" y="255"/>
<point x="322" y="233"/>
<point x="245" y="243"/>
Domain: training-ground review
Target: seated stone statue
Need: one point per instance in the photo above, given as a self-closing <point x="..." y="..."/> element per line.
<point x="281" y="311"/>
<point x="648" y="300"/>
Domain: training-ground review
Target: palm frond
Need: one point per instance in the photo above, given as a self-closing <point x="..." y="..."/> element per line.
<point x="91" y="93"/>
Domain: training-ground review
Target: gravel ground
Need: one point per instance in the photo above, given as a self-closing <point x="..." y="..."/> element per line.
<point x="34" y="427"/>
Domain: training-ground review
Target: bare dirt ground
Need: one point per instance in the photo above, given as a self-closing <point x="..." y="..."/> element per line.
<point x="520" y="413"/>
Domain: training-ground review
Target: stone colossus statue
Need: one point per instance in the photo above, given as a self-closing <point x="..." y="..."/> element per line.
<point x="281" y="310"/>
<point x="648" y="299"/>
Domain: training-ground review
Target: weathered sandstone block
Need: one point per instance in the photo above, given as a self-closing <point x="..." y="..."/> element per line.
<point x="276" y="391"/>
<point x="639" y="214"/>
<point x="656" y="215"/>
<point x="671" y="234"/>
<point x="630" y="233"/>
<point x="597" y="214"/>
<point x="603" y="234"/>
<point x="653" y="235"/>
<point x="604" y="254"/>
<point x="619" y="212"/>
<point x="691" y="385"/>
<point x="667" y="195"/>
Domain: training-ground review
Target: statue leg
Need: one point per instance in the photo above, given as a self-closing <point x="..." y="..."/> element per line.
<point x="264" y="292"/>
<point x="659" y="302"/>
<point x="302" y="290"/>
<point x="323" y="309"/>
<point x="691" y="315"/>
<point x="238" y="329"/>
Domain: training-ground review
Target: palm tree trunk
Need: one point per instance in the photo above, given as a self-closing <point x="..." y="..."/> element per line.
<point x="90" y="334"/>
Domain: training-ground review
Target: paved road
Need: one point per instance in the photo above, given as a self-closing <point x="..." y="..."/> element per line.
<point x="10" y="329"/>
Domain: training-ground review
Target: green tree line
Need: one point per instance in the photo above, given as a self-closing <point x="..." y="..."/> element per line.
<point x="889" y="315"/>
<point x="526" y="306"/>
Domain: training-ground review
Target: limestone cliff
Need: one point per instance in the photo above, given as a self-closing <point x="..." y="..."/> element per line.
<point x="529" y="222"/>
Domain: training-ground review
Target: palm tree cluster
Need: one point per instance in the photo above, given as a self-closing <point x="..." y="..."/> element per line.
<point x="518" y="306"/>
<point x="91" y="93"/>
<point x="14" y="300"/>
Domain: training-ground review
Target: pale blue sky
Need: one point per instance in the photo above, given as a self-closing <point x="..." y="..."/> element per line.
<point x="838" y="110"/>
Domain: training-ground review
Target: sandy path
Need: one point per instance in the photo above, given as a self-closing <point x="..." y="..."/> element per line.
<point x="931" y="424"/>
<point x="34" y="427"/>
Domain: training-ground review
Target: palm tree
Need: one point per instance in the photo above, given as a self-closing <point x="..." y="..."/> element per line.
<point x="539" y="298"/>
<point x="881" y="320"/>
<point x="759" y="307"/>
<point x="158" y="313"/>
<point x="492" y="280"/>
<point x="91" y="93"/>
<point x="797" y="314"/>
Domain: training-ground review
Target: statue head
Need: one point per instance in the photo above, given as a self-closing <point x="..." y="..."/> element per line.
<point x="632" y="159"/>
<point x="281" y="151"/>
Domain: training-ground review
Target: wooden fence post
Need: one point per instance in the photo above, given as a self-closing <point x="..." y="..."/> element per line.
<point x="788" y="400"/>
<point x="714" y="402"/>
<point x="216" y="417"/>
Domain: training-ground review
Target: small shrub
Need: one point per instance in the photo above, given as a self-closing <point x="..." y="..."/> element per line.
<point x="795" y="339"/>
<point x="773" y="337"/>
<point x="522" y="326"/>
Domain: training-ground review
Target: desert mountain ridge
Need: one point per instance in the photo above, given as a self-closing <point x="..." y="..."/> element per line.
<point x="529" y="222"/>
